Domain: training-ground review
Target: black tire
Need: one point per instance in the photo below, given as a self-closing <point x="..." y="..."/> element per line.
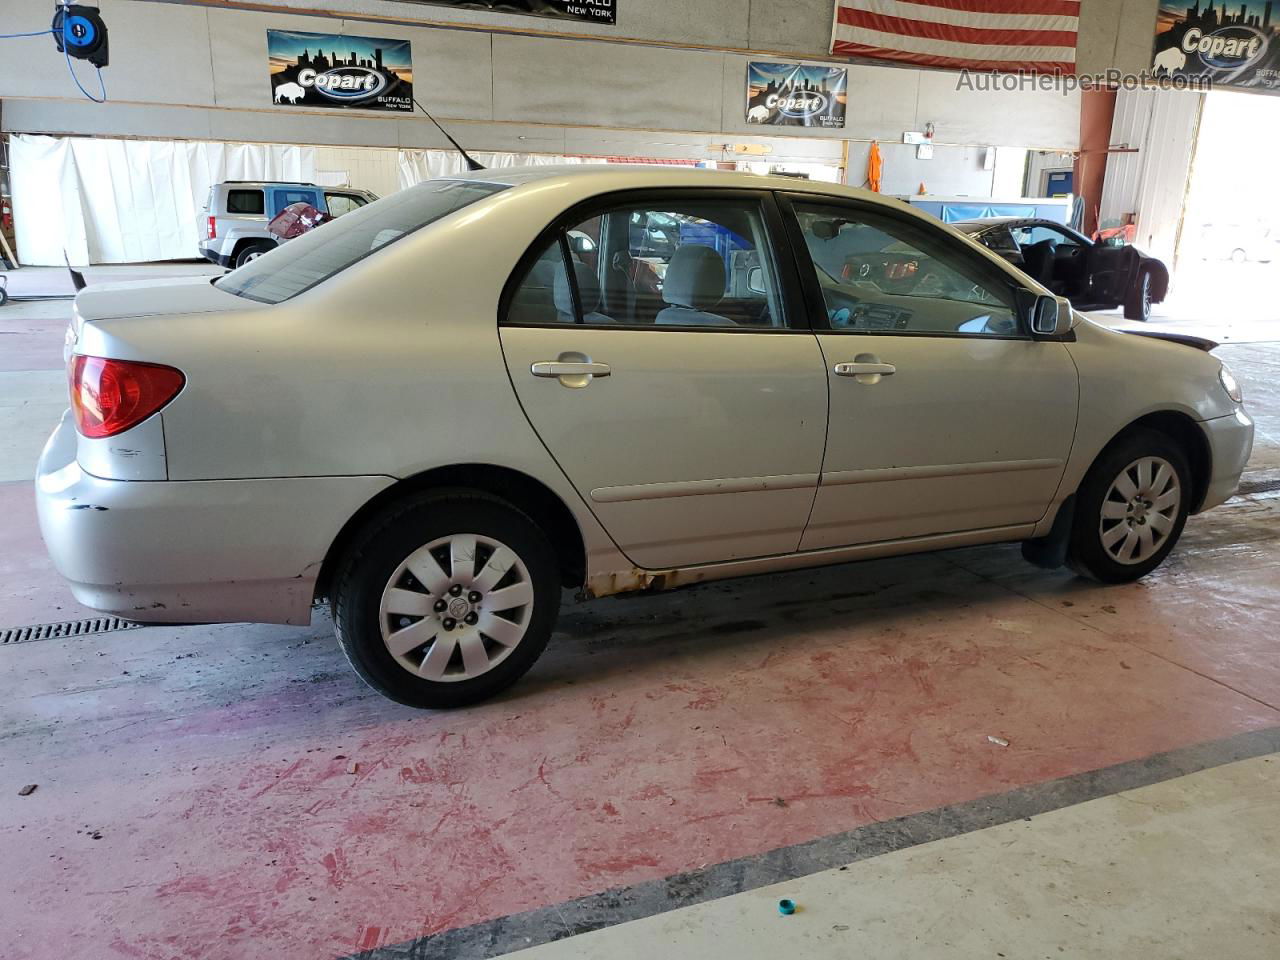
<point x="1086" y="553"/>
<point x="1137" y="306"/>
<point x="253" y="250"/>
<point x="385" y="544"/>
<point x="4" y="296"/>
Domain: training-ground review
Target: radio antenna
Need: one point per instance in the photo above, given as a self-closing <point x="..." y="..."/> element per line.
<point x="472" y="163"/>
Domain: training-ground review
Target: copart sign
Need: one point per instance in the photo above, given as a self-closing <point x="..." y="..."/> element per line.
<point x="794" y="95"/>
<point x="1229" y="44"/>
<point x="326" y="70"/>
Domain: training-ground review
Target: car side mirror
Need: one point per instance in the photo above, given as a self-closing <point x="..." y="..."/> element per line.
<point x="755" y="280"/>
<point x="1050" y="316"/>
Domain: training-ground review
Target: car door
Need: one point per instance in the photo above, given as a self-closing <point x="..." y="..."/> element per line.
<point x="945" y="415"/>
<point x="689" y="410"/>
<point x="1109" y="272"/>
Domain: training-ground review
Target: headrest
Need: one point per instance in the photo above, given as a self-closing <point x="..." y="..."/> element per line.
<point x="695" y="278"/>
<point x="588" y="289"/>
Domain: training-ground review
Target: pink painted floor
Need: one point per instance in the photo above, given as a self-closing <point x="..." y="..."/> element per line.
<point x="234" y="792"/>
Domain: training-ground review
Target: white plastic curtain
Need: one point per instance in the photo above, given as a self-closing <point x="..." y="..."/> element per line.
<point x="419" y="165"/>
<point x="128" y="201"/>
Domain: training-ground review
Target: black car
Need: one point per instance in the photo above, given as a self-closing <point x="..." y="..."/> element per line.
<point x="1093" y="276"/>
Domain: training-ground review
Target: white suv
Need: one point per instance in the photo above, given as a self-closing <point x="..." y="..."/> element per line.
<point x="447" y="406"/>
<point x="238" y="211"/>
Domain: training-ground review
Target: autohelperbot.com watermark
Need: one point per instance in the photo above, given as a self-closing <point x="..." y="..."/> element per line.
<point x="991" y="81"/>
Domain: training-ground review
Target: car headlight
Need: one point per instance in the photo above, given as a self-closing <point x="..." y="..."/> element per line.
<point x="1230" y="384"/>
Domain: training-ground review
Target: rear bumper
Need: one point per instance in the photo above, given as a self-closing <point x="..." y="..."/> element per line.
<point x="1230" y="444"/>
<point x="214" y="255"/>
<point x="207" y="551"/>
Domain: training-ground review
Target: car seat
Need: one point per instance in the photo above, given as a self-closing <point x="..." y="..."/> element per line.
<point x="1037" y="260"/>
<point x="694" y="281"/>
<point x="588" y="294"/>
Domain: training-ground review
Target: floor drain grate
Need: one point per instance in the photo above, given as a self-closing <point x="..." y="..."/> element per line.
<point x="67" y="628"/>
<point x="1258" y="486"/>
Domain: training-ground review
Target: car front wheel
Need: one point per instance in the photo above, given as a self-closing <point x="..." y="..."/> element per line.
<point x="1130" y="509"/>
<point x="446" y="599"/>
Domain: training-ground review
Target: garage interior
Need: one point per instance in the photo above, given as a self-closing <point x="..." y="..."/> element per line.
<point x="949" y="754"/>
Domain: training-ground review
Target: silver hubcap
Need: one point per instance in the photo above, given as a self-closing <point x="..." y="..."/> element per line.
<point x="1139" y="510"/>
<point x="456" y="608"/>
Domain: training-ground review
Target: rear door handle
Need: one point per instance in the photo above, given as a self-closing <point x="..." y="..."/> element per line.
<point x="563" y="368"/>
<point x="862" y="369"/>
<point x="574" y="370"/>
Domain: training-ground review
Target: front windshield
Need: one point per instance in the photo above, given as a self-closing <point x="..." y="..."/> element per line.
<point x="313" y="257"/>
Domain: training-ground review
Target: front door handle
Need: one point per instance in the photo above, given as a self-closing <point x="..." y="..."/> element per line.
<point x="557" y="368"/>
<point x="573" y="370"/>
<point x="865" y="368"/>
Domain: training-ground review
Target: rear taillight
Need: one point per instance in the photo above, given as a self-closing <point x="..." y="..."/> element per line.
<point x="110" y="396"/>
<point x="213" y="228"/>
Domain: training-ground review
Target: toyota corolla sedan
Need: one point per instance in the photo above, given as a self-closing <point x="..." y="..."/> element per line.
<point x="445" y="407"/>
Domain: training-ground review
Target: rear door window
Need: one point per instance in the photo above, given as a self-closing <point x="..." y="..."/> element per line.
<point x="246" y="202"/>
<point x="281" y="198"/>
<point x="693" y="262"/>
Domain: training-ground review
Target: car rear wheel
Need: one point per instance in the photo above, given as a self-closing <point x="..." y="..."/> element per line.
<point x="252" y="251"/>
<point x="446" y="599"/>
<point x="1138" y="304"/>
<point x="1130" y="509"/>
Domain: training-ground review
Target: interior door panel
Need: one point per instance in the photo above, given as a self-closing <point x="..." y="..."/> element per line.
<point x="1110" y="271"/>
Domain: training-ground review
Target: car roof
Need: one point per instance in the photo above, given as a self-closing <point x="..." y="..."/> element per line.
<point x="621" y="176"/>
<point x="266" y="183"/>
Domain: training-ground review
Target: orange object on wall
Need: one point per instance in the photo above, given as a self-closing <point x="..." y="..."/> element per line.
<point x="875" y="167"/>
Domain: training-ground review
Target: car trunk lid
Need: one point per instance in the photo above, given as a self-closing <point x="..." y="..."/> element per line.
<point x="145" y="298"/>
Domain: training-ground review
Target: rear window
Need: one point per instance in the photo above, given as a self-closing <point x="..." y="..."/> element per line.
<point x="313" y="257"/>
<point x="245" y="201"/>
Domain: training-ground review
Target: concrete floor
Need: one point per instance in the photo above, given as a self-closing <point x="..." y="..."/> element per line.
<point x="671" y="767"/>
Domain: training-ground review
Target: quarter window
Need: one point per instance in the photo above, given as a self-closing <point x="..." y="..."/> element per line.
<point x="886" y="274"/>
<point x="689" y="264"/>
<point x="249" y="202"/>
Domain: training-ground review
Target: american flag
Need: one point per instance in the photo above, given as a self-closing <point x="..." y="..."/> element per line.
<point x="1010" y="35"/>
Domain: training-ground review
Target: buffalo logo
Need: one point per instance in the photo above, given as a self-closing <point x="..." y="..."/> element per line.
<point x="1228" y="48"/>
<point x="344" y="84"/>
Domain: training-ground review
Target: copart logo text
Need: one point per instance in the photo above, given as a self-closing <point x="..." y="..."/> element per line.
<point x="344" y="84"/>
<point x="797" y="104"/>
